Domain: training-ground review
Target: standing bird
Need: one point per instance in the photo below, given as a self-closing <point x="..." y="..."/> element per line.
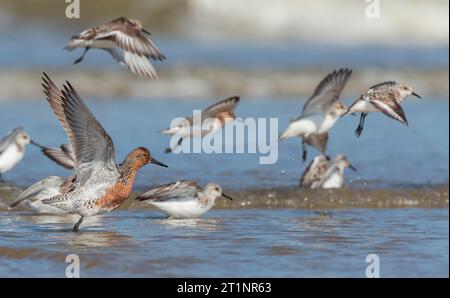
<point x="98" y="183"/>
<point x="320" y="112"/>
<point x="314" y="172"/>
<point x="125" y="40"/>
<point x="383" y="97"/>
<point x="183" y="199"/>
<point x="325" y="173"/>
<point x="334" y="176"/>
<point x="12" y="149"/>
<point x="212" y="119"/>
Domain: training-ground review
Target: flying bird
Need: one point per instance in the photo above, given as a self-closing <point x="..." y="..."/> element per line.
<point x="212" y="119"/>
<point x="320" y="112"/>
<point x="63" y="156"/>
<point x="383" y="97"/>
<point x="126" y="41"/>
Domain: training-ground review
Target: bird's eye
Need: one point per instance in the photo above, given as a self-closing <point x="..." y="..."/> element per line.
<point x="217" y="189"/>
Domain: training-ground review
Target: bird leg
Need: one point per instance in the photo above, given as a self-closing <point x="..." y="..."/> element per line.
<point x="304" y="152"/>
<point x="82" y="56"/>
<point x="170" y="150"/>
<point x="77" y="225"/>
<point x="360" y="127"/>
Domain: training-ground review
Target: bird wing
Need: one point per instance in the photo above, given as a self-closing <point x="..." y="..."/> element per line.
<point x="314" y="172"/>
<point x="390" y="107"/>
<point x="92" y="146"/>
<point x="137" y="64"/>
<point x="175" y="190"/>
<point x="226" y="105"/>
<point x="52" y="182"/>
<point x="129" y="38"/>
<point x="63" y="156"/>
<point x="328" y="91"/>
<point x="382" y="86"/>
<point x="318" y="141"/>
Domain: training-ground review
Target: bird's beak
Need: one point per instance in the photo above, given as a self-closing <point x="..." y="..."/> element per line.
<point x="156" y="162"/>
<point x="170" y="131"/>
<point x="416" y="95"/>
<point x="145" y="31"/>
<point x="352" y="168"/>
<point x="227" y="197"/>
<point x="36" y="144"/>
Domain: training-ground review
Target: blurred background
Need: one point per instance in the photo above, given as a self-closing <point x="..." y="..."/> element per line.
<point x="214" y="48"/>
<point x="273" y="54"/>
<point x="270" y="52"/>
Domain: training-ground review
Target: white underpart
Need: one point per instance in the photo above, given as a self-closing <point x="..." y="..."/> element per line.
<point x="334" y="177"/>
<point x="304" y="126"/>
<point x="182" y="208"/>
<point x="328" y="123"/>
<point x="10" y="157"/>
<point x="363" y="106"/>
<point x="186" y="130"/>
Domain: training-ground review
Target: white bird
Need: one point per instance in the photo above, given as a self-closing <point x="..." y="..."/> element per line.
<point x="334" y="176"/>
<point x="320" y="112"/>
<point x="383" y="97"/>
<point x="314" y="172"/>
<point x="12" y="149"/>
<point x="212" y="119"/>
<point x="125" y="40"/>
<point x="325" y="173"/>
<point x="183" y="199"/>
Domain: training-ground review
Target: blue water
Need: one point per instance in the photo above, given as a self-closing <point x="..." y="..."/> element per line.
<point x="15" y="53"/>
<point x="237" y="243"/>
<point x="387" y="155"/>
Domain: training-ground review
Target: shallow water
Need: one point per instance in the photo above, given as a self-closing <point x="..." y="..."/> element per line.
<point x="250" y="242"/>
<point x="387" y="155"/>
<point x="315" y="233"/>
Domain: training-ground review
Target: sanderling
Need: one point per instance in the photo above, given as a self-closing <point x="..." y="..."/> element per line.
<point x="383" y="97"/>
<point x="183" y="199"/>
<point x="314" y="172"/>
<point x="12" y="149"/>
<point x="325" y="173"/>
<point x="125" y="40"/>
<point x="98" y="184"/>
<point x="44" y="189"/>
<point x="320" y="112"/>
<point x="217" y="115"/>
